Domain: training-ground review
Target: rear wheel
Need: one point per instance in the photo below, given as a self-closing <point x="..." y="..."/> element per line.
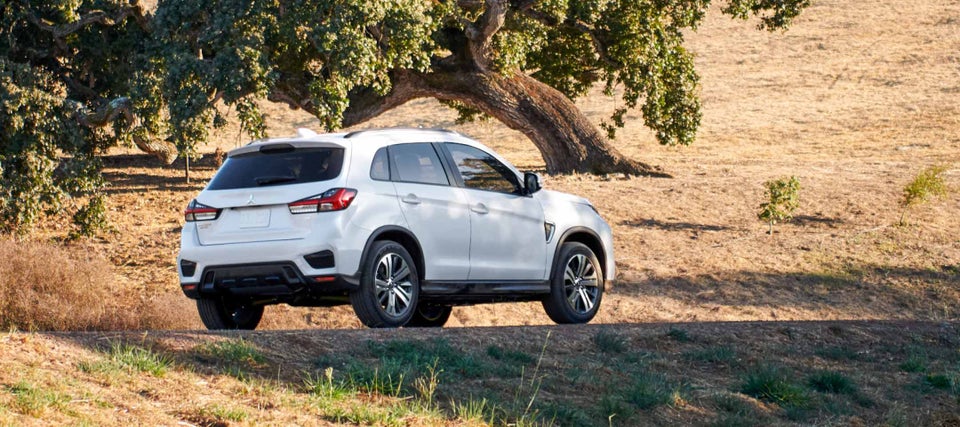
<point x="389" y="287"/>
<point x="222" y="313"/>
<point x="576" y="286"/>
<point x="430" y="316"/>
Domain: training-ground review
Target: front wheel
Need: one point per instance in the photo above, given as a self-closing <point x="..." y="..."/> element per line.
<point x="222" y="313"/>
<point x="389" y="287"/>
<point x="430" y="316"/>
<point x="576" y="285"/>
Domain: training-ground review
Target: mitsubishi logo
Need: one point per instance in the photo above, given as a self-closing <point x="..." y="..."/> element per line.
<point x="250" y="200"/>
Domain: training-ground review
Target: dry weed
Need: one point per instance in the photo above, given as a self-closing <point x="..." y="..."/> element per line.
<point x="50" y="287"/>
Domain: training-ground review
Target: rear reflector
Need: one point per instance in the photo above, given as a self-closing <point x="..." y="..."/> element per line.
<point x="324" y="279"/>
<point x="187" y="268"/>
<point x="322" y="259"/>
<point x="334" y="199"/>
<point x="189" y="286"/>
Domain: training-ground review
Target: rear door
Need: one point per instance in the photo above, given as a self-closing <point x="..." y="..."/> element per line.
<point x="253" y="190"/>
<point x="436" y="211"/>
<point x="507" y="238"/>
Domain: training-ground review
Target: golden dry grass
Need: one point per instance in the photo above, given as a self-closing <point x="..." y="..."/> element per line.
<point x="854" y="100"/>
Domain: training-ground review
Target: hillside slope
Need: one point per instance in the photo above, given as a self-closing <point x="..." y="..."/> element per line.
<point x="768" y="373"/>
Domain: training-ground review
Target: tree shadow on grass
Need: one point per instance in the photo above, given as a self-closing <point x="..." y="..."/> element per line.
<point x="864" y="291"/>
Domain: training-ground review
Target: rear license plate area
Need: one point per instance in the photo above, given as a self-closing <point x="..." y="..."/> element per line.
<point x="254" y="217"/>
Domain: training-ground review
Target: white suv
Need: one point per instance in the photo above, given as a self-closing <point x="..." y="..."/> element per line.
<point x="401" y="223"/>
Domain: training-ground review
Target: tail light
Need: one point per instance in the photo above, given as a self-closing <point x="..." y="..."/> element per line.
<point x="334" y="199"/>
<point x="197" y="211"/>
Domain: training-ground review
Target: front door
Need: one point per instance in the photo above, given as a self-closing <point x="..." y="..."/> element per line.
<point x="507" y="239"/>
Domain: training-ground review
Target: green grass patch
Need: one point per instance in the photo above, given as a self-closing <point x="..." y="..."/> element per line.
<point x="221" y="413"/>
<point x="130" y="358"/>
<point x="734" y="410"/>
<point x="838" y="353"/>
<point x="775" y="385"/>
<point x="938" y="381"/>
<point x="516" y="356"/>
<point x="475" y="411"/>
<point x="413" y="358"/>
<point x="609" y="342"/>
<point x="234" y="357"/>
<point x="832" y="382"/>
<point x="33" y="400"/>
<point x="679" y="335"/>
<point x="719" y="354"/>
<point x="236" y="352"/>
<point x="915" y="363"/>
<point x="326" y="387"/>
<point x="647" y="390"/>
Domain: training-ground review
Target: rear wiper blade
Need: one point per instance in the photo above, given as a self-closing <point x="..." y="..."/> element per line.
<point x="270" y="180"/>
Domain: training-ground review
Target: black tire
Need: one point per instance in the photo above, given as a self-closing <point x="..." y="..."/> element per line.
<point x="430" y="316"/>
<point x="387" y="299"/>
<point x="576" y="285"/>
<point x="221" y="313"/>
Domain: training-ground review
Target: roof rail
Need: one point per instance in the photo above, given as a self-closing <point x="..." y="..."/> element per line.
<point x="357" y="132"/>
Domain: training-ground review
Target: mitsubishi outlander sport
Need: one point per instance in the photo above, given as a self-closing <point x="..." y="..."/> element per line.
<point x="403" y="224"/>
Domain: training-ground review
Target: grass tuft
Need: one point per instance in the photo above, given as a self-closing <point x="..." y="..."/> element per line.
<point x="33" y="400"/>
<point x="720" y="354"/>
<point x="938" y="381"/>
<point x="648" y="390"/>
<point x="234" y="357"/>
<point x="610" y="342"/>
<point x="774" y="385"/>
<point x="679" y="335"/>
<point x="131" y="358"/>
<point x="832" y="382"/>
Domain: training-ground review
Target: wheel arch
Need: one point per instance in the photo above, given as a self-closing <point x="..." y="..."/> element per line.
<point x="402" y="236"/>
<point x="587" y="237"/>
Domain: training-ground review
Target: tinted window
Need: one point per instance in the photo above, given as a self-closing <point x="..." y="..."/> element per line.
<point x="295" y="166"/>
<point x="380" y="168"/>
<point x="482" y="171"/>
<point x="417" y="163"/>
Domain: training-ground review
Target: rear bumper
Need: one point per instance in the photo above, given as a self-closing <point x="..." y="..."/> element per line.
<point x="280" y="281"/>
<point x="344" y="254"/>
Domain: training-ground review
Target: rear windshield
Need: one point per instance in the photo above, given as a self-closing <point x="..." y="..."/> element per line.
<point x="297" y="166"/>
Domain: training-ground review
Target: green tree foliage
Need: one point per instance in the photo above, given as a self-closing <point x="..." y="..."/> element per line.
<point x="81" y="76"/>
<point x="784" y="198"/>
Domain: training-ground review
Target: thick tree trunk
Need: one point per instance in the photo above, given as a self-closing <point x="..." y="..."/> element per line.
<point x="566" y="138"/>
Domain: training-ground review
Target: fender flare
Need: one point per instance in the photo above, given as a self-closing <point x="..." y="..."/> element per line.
<point x="563" y="239"/>
<point x="355" y="278"/>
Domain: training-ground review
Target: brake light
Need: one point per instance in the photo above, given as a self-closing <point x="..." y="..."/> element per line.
<point x="334" y="199"/>
<point x="197" y="211"/>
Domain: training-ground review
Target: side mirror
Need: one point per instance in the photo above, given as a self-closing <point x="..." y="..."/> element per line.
<point x="531" y="182"/>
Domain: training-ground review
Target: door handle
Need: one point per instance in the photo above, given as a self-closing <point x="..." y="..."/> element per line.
<point x="411" y="199"/>
<point x="480" y="208"/>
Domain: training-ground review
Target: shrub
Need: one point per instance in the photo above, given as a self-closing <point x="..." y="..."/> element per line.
<point x="928" y="183"/>
<point x="784" y="198"/>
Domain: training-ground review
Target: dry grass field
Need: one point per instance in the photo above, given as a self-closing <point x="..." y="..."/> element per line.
<point x="854" y="100"/>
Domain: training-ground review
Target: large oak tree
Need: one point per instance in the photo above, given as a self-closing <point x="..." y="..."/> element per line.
<point x="104" y="72"/>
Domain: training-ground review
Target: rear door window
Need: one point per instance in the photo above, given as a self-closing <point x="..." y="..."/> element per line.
<point x="280" y="167"/>
<point x="417" y="163"/>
